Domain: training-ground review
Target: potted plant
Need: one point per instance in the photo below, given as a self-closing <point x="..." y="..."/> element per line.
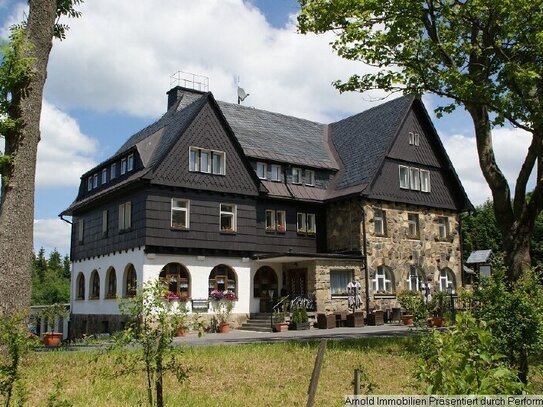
<point x="413" y="303"/>
<point x="50" y="314"/>
<point x="279" y="320"/>
<point x="222" y="304"/>
<point x="437" y="307"/>
<point x="299" y="320"/>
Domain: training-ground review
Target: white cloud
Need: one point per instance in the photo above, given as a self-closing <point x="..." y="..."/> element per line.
<point x="119" y="55"/>
<point x="510" y="147"/>
<point x="64" y="152"/>
<point x="52" y="234"/>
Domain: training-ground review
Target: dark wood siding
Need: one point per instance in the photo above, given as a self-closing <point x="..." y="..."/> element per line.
<point x="94" y="242"/>
<point x="207" y="131"/>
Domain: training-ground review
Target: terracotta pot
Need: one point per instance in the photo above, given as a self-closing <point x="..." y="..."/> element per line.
<point x="407" y="319"/>
<point x="281" y="327"/>
<point x="224" y="327"/>
<point x="437" y="322"/>
<point x="181" y="331"/>
<point x="52" y="339"/>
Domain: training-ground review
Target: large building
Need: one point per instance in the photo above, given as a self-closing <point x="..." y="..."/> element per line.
<point x="221" y="196"/>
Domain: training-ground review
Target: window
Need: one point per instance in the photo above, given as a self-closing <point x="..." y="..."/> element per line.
<point x="113" y="171"/>
<point x="94" y="286"/>
<point x="265" y="283"/>
<point x="281" y="218"/>
<point x="130" y="163"/>
<point x="443" y="227"/>
<point x="207" y="161"/>
<point x="296" y="175"/>
<point x="270" y="220"/>
<point x="425" y="181"/>
<point x="414" y="138"/>
<point x="310" y="177"/>
<point x="339" y="280"/>
<point x="177" y="279"/>
<point x="123" y="166"/>
<point x="379" y="222"/>
<point x="80" y="230"/>
<point x="89" y="183"/>
<point x="311" y="226"/>
<point x="414" y="179"/>
<point x="125" y="216"/>
<point x="222" y="278"/>
<point x="382" y="281"/>
<point x="301" y="223"/>
<point x="276" y="172"/>
<point x="404" y="177"/>
<point x="261" y="170"/>
<point x="95" y="181"/>
<point x="446" y="280"/>
<point x="131" y="281"/>
<point x="81" y="286"/>
<point x="415" y="279"/>
<point x="104" y="176"/>
<point x="111" y="283"/>
<point x="104" y="222"/>
<point x="413" y="225"/>
<point x="180" y="213"/>
<point x="228" y="217"/>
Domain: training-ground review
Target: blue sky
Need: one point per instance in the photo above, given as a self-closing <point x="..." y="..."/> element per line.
<point x="109" y="78"/>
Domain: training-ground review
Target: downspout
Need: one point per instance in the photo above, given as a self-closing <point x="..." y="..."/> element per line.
<point x="366" y="271"/>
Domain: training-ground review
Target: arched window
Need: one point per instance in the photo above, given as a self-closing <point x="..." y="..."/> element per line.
<point x="223" y="278"/>
<point x="130" y="281"/>
<point x="415" y="279"/>
<point x="446" y="279"/>
<point x="177" y="279"/>
<point x="80" y="286"/>
<point x="111" y="283"/>
<point x="383" y="281"/>
<point x="265" y="283"/>
<point x="94" y="286"/>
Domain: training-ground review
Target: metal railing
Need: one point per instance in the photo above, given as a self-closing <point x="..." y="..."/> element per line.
<point x="276" y="306"/>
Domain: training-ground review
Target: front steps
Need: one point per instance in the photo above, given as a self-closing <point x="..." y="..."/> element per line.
<point x="258" y="323"/>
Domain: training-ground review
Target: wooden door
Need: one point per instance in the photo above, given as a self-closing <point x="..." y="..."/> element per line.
<point x="297" y="283"/>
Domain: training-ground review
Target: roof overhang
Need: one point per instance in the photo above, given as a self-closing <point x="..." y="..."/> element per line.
<point x="299" y="257"/>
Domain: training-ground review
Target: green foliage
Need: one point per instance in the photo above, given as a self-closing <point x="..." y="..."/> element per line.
<point x="480" y="230"/>
<point x="222" y="309"/>
<point x="463" y="360"/>
<point x="299" y="315"/>
<point x="153" y="322"/>
<point x="50" y="279"/>
<point x="15" y="344"/>
<point x="51" y="312"/>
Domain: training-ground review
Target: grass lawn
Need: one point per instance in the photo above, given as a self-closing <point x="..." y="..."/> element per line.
<point x="241" y="375"/>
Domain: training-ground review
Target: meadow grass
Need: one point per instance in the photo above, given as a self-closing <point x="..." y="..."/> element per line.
<point x="238" y="375"/>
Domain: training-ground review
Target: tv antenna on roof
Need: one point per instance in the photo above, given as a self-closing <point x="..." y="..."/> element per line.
<point x="242" y="95"/>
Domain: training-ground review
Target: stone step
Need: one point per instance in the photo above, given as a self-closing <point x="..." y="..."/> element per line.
<point x="255" y="328"/>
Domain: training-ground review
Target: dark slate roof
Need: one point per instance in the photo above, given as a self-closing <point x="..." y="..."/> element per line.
<point x="479" y="256"/>
<point x="363" y="140"/>
<point x="278" y="137"/>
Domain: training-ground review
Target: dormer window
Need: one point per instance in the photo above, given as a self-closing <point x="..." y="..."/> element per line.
<point x="123" y="166"/>
<point x="130" y="163"/>
<point x="95" y="181"/>
<point x="104" y="176"/>
<point x="261" y="170"/>
<point x="310" y="178"/>
<point x="276" y="172"/>
<point x="89" y="183"/>
<point x="113" y="171"/>
<point x="296" y="175"/>
<point x="207" y="161"/>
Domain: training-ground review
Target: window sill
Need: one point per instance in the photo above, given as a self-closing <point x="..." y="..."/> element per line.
<point x="125" y="230"/>
<point x="111" y="297"/>
<point x="179" y="229"/>
<point x="80" y="299"/>
<point x="309" y="185"/>
<point x="228" y="232"/>
<point x="339" y="297"/>
<point x="270" y="230"/>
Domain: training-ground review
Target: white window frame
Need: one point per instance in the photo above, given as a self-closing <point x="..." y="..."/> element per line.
<point x="425" y="180"/>
<point x="379" y="222"/>
<point x="443" y="227"/>
<point x="205" y="167"/>
<point x="185" y="210"/>
<point x="104" y="176"/>
<point x="123" y="166"/>
<point x="415" y="279"/>
<point x="231" y="214"/>
<point x="417" y="139"/>
<point x="276" y="173"/>
<point x="310" y="178"/>
<point x="130" y="163"/>
<point x="281" y="226"/>
<point x="311" y="225"/>
<point x="382" y="281"/>
<point x="446" y="279"/>
<point x="95" y="181"/>
<point x="301" y="222"/>
<point x="404" y="181"/>
<point x="414" y="179"/>
<point x="125" y="216"/>
<point x="270" y="222"/>
<point x="89" y="183"/>
<point x="261" y="170"/>
<point x="297" y="175"/>
<point x="413" y="223"/>
<point x="105" y="216"/>
<point x="195" y="161"/>
<point x="113" y="171"/>
<point x="222" y="162"/>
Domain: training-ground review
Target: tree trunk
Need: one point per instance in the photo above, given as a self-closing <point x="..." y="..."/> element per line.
<point x="158" y="384"/>
<point x="17" y="204"/>
<point x="517" y="244"/>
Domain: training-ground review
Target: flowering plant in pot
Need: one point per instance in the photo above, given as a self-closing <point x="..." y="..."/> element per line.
<point x="50" y="314"/>
<point x="222" y="304"/>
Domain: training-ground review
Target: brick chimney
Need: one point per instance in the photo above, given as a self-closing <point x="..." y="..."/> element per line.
<point x="185" y="95"/>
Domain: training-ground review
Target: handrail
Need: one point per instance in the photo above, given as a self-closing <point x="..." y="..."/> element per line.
<point x="281" y="301"/>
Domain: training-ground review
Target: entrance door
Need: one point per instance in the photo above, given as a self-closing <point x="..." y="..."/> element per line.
<point x="297" y="283"/>
<point x="265" y="287"/>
